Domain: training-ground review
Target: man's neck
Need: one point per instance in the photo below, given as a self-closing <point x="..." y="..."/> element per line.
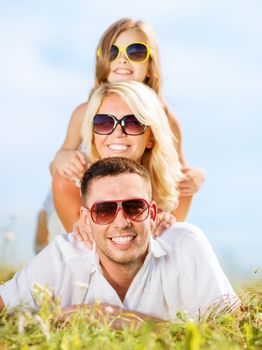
<point x="120" y="276"/>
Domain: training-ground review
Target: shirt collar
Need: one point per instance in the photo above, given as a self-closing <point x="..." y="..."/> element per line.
<point x="155" y="250"/>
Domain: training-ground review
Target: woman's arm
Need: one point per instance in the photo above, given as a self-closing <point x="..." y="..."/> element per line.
<point x="184" y="201"/>
<point x="67" y="162"/>
<point x="67" y="201"/>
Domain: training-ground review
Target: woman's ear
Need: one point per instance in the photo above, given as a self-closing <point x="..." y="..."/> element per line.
<point x="150" y="142"/>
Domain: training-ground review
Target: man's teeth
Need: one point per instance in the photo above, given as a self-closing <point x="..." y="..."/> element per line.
<point x="122" y="240"/>
<point x="116" y="147"/>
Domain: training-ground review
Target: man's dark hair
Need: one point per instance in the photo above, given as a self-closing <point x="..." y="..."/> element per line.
<point x="112" y="167"/>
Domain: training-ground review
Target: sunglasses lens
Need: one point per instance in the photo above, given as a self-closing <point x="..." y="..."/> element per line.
<point x="113" y="53"/>
<point x="103" y="213"/>
<point x="136" y="209"/>
<point x="103" y="124"/>
<point x="136" y="52"/>
<point x="132" y="126"/>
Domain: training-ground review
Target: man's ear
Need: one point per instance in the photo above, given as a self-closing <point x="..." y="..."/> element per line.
<point x="84" y="215"/>
<point x="153" y="213"/>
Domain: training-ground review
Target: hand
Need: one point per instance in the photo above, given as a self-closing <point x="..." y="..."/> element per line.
<point x="82" y="232"/>
<point x="70" y="164"/>
<point x="163" y="222"/>
<point x="117" y="317"/>
<point x="192" y="181"/>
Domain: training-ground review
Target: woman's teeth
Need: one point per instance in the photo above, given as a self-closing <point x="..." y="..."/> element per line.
<point x="115" y="147"/>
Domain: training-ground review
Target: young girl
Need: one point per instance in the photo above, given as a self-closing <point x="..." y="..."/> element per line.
<point x="126" y="51"/>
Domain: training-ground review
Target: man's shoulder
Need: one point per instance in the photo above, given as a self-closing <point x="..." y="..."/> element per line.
<point x="182" y="231"/>
<point x="68" y="248"/>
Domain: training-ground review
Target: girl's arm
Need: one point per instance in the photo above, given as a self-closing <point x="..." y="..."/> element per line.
<point x="69" y="162"/>
<point x="67" y="201"/>
<point x="193" y="178"/>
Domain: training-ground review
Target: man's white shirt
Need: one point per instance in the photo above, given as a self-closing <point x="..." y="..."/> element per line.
<point x="180" y="274"/>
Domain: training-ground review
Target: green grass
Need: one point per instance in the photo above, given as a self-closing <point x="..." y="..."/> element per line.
<point x="84" y="330"/>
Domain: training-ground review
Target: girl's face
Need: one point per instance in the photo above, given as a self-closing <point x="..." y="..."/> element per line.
<point x="122" y="68"/>
<point x="118" y="144"/>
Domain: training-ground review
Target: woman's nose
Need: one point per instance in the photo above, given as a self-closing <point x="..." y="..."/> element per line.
<point x="118" y="132"/>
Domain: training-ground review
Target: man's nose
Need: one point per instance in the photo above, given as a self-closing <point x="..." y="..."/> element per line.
<point x="121" y="220"/>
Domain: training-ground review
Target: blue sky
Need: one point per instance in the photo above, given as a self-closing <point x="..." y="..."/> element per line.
<point x="211" y="60"/>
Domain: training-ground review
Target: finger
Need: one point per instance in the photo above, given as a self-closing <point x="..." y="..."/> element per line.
<point x="88" y="243"/>
<point x="81" y="157"/>
<point x="78" y="166"/>
<point x="163" y="224"/>
<point x="161" y="228"/>
<point x="64" y="175"/>
<point x="77" y="173"/>
<point x="77" y="236"/>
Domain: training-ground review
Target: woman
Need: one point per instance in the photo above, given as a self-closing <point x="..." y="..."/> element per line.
<point x="126" y="51"/>
<point x="126" y="119"/>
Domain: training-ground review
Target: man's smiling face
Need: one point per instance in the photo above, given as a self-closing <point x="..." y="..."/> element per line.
<point x="123" y="241"/>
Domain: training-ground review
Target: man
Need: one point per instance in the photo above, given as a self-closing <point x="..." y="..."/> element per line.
<point x="127" y="268"/>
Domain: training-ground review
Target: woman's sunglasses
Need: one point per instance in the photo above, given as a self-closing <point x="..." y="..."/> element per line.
<point x="104" y="213"/>
<point x="135" y="52"/>
<point x="105" y="124"/>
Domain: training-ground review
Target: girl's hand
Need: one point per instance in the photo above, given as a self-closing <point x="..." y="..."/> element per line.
<point x="70" y="164"/>
<point x="82" y="232"/>
<point x="163" y="222"/>
<point x="192" y="181"/>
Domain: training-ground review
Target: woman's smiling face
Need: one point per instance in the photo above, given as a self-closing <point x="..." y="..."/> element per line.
<point x="118" y="144"/>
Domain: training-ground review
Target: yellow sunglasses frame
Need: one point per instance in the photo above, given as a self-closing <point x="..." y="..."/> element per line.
<point x="123" y="49"/>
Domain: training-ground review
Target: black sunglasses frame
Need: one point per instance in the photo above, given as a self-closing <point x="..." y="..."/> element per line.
<point x="120" y="122"/>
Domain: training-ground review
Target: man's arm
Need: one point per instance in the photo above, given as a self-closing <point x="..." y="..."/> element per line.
<point x="117" y="316"/>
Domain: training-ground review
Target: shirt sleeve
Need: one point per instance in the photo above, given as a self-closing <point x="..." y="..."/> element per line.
<point x="205" y="288"/>
<point x="45" y="270"/>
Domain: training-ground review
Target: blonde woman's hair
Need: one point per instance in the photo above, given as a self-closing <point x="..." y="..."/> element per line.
<point x="110" y="36"/>
<point x="162" y="159"/>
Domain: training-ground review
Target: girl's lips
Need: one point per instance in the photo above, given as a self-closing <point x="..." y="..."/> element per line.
<point x="123" y="71"/>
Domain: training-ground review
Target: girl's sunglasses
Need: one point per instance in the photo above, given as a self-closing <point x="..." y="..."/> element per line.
<point x="105" y="124"/>
<point x="104" y="213"/>
<point x="135" y="52"/>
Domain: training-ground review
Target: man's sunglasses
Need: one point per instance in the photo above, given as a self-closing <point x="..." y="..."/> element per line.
<point x="135" y="52"/>
<point x="104" y="213"/>
<point x="105" y="124"/>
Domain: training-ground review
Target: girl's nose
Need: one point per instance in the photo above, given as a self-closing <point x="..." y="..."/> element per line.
<point x="122" y="57"/>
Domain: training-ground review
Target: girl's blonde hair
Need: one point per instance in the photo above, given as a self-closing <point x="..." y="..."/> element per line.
<point x="110" y="36"/>
<point x="162" y="159"/>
